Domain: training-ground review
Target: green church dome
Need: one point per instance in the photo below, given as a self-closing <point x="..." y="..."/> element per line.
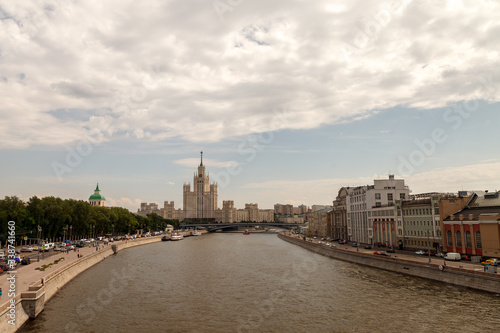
<point x="97" y="195"/>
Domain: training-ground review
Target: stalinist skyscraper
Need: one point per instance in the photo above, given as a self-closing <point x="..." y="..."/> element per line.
<point x="201" y="203"/>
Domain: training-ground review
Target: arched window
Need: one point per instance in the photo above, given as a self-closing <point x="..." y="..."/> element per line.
<point x="448" y="237"/>
<point x="458" y="238"/>
<point x="468" y="242"/>
<point x="478" y="240"/>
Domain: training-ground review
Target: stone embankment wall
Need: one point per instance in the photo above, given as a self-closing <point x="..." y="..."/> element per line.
<point x="470" y="279"/>
<point x="29" y="304"/>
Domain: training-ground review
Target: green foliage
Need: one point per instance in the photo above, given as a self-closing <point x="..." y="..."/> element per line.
<point x="55" y="215"/>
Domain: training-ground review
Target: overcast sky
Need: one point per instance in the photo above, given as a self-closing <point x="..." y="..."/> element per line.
<point x="289" y="100"/>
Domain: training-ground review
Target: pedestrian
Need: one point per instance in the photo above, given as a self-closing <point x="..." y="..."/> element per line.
<point x="0" y="291"/>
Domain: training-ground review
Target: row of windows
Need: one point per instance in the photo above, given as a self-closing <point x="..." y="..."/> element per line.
<point x="390" y="196"/>
<point x="419" y="243"/>
<point x="420" y="223"/>
<point x="468" y="241"/>
<point x="420" y="211"/>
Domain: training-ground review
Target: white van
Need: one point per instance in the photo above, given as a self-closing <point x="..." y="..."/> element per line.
<point x="452" y="256"/>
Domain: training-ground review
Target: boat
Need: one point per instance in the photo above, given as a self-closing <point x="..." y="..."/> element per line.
<point x="196" y="233"/>
<point x="246" y="232"/>
<point x="176" y="237"/>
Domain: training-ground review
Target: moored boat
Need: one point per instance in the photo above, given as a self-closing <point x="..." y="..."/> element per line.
<point x="176" y="237"/>
<point x="246" y="232"/>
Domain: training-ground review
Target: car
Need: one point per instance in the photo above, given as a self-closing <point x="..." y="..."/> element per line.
<point x="429" y="253"/>
<point x="386" y="254"/>
<point x="466" y="257"/>
<point x="391" y="250"/>
<point x="420" y="252"/>
<point x="27" y="249"/>
<point x="368" y="247"/>
<point x="71" y="247"/>
<point x="354" y="244"/>
<point x="492" y="262"/>
<point x="25" y="261"/>
<point x="440" y="255"/>
<point x="377" y="253"/>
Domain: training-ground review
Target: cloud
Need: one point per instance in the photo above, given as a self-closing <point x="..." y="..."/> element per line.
<point x="124" y="202"/>
<point x="174" y="69"/>
<point x="192" y="162"/>
<point x="471" y="177"/>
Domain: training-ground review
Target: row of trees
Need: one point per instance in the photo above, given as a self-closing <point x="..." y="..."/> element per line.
<point x="55" y="218"/>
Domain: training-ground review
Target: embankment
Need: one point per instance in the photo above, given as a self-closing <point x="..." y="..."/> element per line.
<point x="30" y="303"/>
<point x="489" y="282"/>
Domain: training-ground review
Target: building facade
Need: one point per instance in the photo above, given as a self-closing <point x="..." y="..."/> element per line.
<point x="419" y="222"/>
<point x="475" y="228"/>
<point x="339" y="215"/>
<point x="362" y="200"/>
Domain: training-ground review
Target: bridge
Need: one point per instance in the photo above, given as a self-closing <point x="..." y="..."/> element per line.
<point x="216" y="226"/>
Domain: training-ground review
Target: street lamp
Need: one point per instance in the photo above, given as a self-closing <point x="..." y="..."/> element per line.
<point x="113" y="229"/>
<point x="70" y="227"/>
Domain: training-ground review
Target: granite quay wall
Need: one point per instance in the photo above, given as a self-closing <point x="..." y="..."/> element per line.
<point x="30" y="303"/>
<point x="489" y="282"/>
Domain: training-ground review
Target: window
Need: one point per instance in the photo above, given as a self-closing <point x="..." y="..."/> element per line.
<point x="389" y="197"/>
<point x="478" y="240"/>
<point x="377" y="196"/>
<point x="378" y="204"/>
<point x="458" y="238"/>
<point x="401" y="195"/>
<point x="468" y="242"/>
<point x="448" y="238"/>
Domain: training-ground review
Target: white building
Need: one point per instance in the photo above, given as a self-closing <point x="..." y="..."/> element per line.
<point x="362" y="200"/>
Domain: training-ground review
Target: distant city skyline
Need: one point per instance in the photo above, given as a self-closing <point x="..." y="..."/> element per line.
<point x="289" y="100"/>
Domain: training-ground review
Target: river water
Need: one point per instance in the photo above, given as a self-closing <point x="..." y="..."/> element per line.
<point x="258" y="283"/>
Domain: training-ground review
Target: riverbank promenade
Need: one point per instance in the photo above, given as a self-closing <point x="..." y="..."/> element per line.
<point x="30" y="287"/>
<point x="459" y="273"/>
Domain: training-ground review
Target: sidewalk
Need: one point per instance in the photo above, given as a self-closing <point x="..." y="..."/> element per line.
<point x="28" y="274"/>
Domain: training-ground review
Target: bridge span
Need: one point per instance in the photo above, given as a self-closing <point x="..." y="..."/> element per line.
<point x="217" y="226"/>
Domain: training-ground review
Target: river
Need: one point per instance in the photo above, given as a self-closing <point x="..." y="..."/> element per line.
<point x="228" y="282"/>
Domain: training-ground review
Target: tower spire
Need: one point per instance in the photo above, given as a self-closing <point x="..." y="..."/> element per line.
<point x="201" y="164"/>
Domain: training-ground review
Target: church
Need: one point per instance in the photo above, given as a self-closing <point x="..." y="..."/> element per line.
<point x="201" y="204"/>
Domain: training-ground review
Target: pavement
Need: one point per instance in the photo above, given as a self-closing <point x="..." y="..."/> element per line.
<point x="406" y="255"/>
<point x="26" y="275"/>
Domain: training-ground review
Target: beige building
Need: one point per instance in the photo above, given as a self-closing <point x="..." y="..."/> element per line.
<point x="200" y="204"/>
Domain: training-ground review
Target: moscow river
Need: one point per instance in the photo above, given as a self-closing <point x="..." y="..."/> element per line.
<point x="257" y="283"/>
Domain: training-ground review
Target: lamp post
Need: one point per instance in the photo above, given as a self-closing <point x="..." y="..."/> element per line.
<point x="70" y="227"/>
<point x="112" y="229"/>
<point x="64" y="233"/>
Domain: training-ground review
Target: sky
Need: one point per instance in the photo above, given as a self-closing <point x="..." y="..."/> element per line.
<point x="288" y="100"/>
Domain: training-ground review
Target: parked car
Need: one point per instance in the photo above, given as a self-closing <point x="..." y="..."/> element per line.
<point x="440" y="255"/>
<point x="391" y="250"/>
<point x="377" y="253"/>
<point x="368" y="247"/>
<point x="427" y="253"/>
<point x="420" y="252"/>
<point x="27" y="249"/>
<point x="466" y="257"/>
<point x="492" y="262"/>
<point x="25" y="261"/>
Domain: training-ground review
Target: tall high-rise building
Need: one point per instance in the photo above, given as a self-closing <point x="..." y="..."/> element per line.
<point x="201" y="203"/>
